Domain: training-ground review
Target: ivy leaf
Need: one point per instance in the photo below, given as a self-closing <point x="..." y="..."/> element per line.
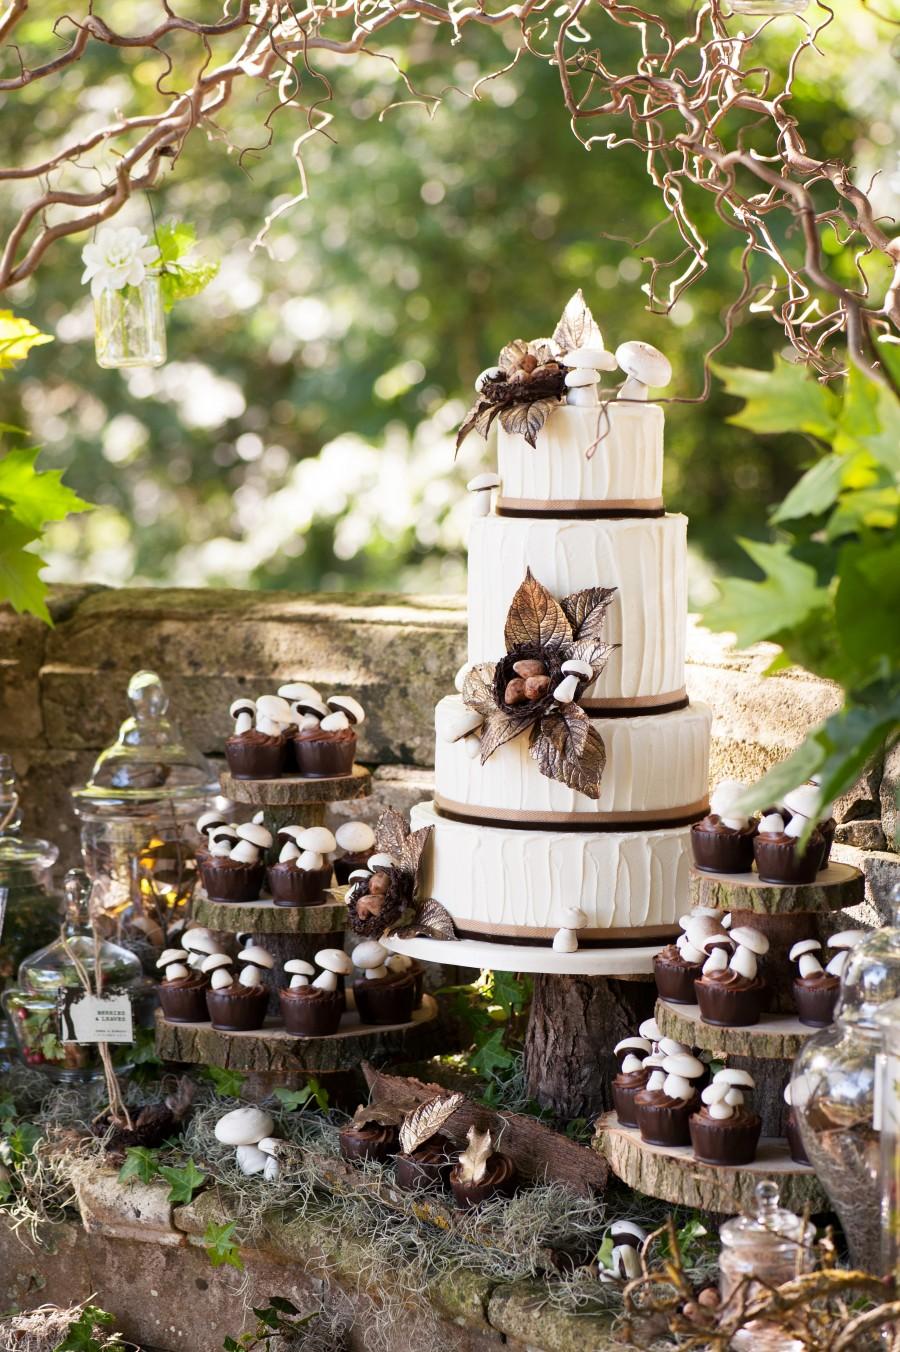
<point x="759" y="610"/>
<point x="35" y="496"/>
<point x="536" y="617"/>
<point x="140" y="1163"/>
<point x="815" y="492"/>
<point x="492" y="1055"/>
<point x="292" y="1099"/>
<point x="222" y="1251"/>
<point x="512" y="993"/>
<point x="183" y="1183"/>
<point x="784" y="399"/>
<point x="20" y="568"/>
<point x="605" y="1253"/>
<point x="17" y="338"/>
<point x="80" y="1335"/>
<point x="226" y="1082"/>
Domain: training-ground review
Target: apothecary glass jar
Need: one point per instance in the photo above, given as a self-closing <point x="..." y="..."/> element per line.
<point x="137" y="813"/>
<point x="833" y="1086"/>
<point x="29" y="912"/>
<point x="759" y="1253"/>
<point x="130" y="324"/>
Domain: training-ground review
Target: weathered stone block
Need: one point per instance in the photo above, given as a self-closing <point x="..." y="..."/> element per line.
<point x="463" y="1296"/>
<point x="132" y="1210"/>
<point x="890" y="797"/>
<point x="521" y="1310"/>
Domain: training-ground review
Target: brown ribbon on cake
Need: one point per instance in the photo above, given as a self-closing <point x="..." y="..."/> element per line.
<point x="633" y="705"/>
<point x="593" y="507"/>
<point x="650" y="819"/>
<point x="587" y="938"/>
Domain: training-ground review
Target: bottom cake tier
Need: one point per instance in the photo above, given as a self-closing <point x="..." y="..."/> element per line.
<point x="511" y="884"/>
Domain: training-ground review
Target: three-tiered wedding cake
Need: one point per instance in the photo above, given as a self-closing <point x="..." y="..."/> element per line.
<point x="571" y="764"/>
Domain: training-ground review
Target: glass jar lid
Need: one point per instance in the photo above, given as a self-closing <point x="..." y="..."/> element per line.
<point x="871" y="978"/>
<point x="18" y="851"/>
<point x="769" y="1226"/>
<point x="149" y="761"/>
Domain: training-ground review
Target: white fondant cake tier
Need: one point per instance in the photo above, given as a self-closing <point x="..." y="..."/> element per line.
<point x="656" y="766"/>
<point x="624" y="467"/>
<point x="645" y="558"/>
<point x="514" y="883"/>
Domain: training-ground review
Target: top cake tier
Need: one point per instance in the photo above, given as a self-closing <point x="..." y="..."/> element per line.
<point x="589" y="461"/>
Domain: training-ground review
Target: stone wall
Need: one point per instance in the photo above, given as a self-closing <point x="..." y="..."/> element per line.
<point x="62" y="691"/>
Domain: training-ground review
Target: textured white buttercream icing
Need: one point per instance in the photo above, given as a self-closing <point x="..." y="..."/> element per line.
<point x="645" y="558"/>
<point x="658" y="762"/>
<point x="499" y="879"/>
<point x="626" y="462"/>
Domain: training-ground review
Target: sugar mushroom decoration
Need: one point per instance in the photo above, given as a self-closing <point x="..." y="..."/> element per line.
<point x="723" y="800"/>
<point x="208" y="821"/>
<point x="249" y="1129"/>
<point x="173" y="962"/>
<point x="482" y="488"/>
<point x="257" y="960"/>
<point x="803" y="952"/>
<point x="718" y="948"/>
<point x="299" y="970"/>
<point x="222" y="840"/>
<point x="343" y="712"/>
<point x="751" y="945"/>
<point x="243" y="711"/>
<point x="217" y="966"/>
<point x="370" y="958"/>
<point x="723" y="1095"/>
<point x="455" y="721"/>
<point x="334" y="963"/>
<point x="355" y="837"/>
<point x="679" y="1072"/>
<point x="806" y="808"/>
<point x="633" y="1052"/>
<point x="645" y="368"/>
<point x="252" y="841"/>
<point x="843" y="943"/>
<point x="628" y="1239"/>
<point x="199" y="943"/>
<point x="273" y="715"/>
<point x="565" y="940"/>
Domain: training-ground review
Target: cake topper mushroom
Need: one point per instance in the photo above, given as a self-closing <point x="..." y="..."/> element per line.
<point x="645" y="367"/>
<point x="680" y="1072"/>
<point x="243" y="711"/>
<point x="252" y="840"/>
<point x="751" y="944"/>
<point x="635" y="1049"/>
<point x="173" y="960"/>
<point x="355" y="837"/>
<point x="584" y="367"/>
<point x="803" y="952"/>
<point x="199" y="943"/>
<point x="370" y="958"/>
<point x="722" y="800"/>
<point x="208" y="821"/>
<point x="843" y="943"/>
<point x="346" y="708"/>
<point x="482" y="487"/>
<point x="298" y="692"/>
<point x="565" y="940"/>
<point x="805" y="806"/>
<point x="453" y="721"/>
<point x="217" y="965"/>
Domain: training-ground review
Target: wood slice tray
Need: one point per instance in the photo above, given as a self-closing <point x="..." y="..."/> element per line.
<point x="294" y="791"/>
<point x="264" y="917"/>
<point x="835" y="888"/>
<point x="778" y="1037"/>
<point x="272" y="1049"/>
<point x="675" y="1176"/>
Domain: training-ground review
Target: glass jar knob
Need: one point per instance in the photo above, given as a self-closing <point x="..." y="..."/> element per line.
<point x="77" y="892"/>
<point x="147" y="697"/>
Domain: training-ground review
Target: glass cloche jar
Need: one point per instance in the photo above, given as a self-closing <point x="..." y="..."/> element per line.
<point x="761" y="1252"/>
<point x="833" y="1086"/>
<point x="137" y="814"/>
<point x="29" y="912"/>
<point x="32" y="1006"/>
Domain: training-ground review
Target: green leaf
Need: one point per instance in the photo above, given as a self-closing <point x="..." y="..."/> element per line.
<point x="140" y="1163"/>
<point x="785" y="399"/>
<point x="20" y="569"/>
<point x="228" y="1083"/>
<point x="179" y="281"/>
<point x="867" y="606"/>
<point x="292" y="1099"/>
<point x="864" y="509"/>
<point x="319" y="1093"/>
<point x="795" y="769"/>
<point x="175" y="239"/>
<point x="605" y="1253"/>
<point x="218" y="1241"/>
<point x="80" y="1333"/>
<point x="883" y="443"/>
<point x="17" y="338"/>
<point x="35" y="496"/>
<point x="510" y="992"/>
<point x="763" y="610"/>
<point x="183" y="1183"/>
<point x="815" y="492"/>
<point x="283" y="1305"/>
<point x="492" y="1055"/>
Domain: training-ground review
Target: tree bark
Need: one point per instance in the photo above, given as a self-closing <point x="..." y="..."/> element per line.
<point x="574" y="1024"/>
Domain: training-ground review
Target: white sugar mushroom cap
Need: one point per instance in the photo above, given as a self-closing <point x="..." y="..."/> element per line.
<point x="714" y="1093"/>
<point x="714" y="941"/>
<point x="574" y="666"/>
<point x="669" y="1046"/>
<point x="636" y="1044"/>
<point x="726" y="792"/>
<point x="453" y="720"/>
<point x="731" y="1075"/>
<point x="835" y="966"/>
<point x="334" y="960"/>
<point x="171" y="955"/>
<point x="483" y="483"/>
<point x="318" y="839"/>
<point x="207" y="820"/>
<point x="269" y="1145"/>
<point x="274" y="708"/>
<point x="684" y="1064"/>
<point x="358" y="874"/>
<point x="650" y="1029"/>
<point x="216" y="960"/>
<point x="772" y="824"/>
<point x="298" y="690"/>
<point x="290" y="832"/>
<point x="581" y="377"/>
<point x="309" y="707"/>
<point x="257" y="835"/>
<point x="594" y="358"/>
<point x="803" y="946"/>
<point x="489" y="373"/>
<point x="645" y="363"/>
<point x="355" y="837"/>
<point x="200" y="941"/>
<point x="242" y="705"/>
<point x="299" y="967"/>
<point x="753" y="939"/>
<point x="573" y="917"/>
<point x="346" y="704"/>
<point x="847" y="938"/>
<point x="257" y="955"/>
<point x="368" y="954"/>
<point x="805" y="800"/>
<point x="381" y="860"/>
<point x="244" y="1126"/>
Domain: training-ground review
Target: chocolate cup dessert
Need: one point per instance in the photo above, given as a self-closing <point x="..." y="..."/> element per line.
<point x="663" y="1120"/>
<point x="779" y="861"/>
<point x="674" y="977"/>
<point x="184" y="1000"/>
<point x="386" y="999"/>
<point x="227" y="879"/>
<point x="730" y="1141"/>
<point x="728" y="1000"/>
<point x="625" y="1086"/>
<point x="309" y="1011"/>
<point x="256" y="755"/>
<point x="371" y="1142"/>
<point x="721" y="849"/>
<point x="794" y="1139"/>
<point x="324" y="755"/>
<point x="428" y="1167"/>
<point x="815" y="998"/>
<point x="347" y="863"/>
<point x="292" y="886"/>
<point x="499" y="1181"/>
<point x="237" y="1008"/>
<point x="828" y="829"/>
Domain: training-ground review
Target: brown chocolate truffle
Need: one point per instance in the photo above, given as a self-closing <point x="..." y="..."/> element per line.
<point x="309" y="1011"/>
<point x="779" y="861"/>
<point x="256" y="755"/>
<point x="324" y="755"/>
<point x="729" y="1000"/>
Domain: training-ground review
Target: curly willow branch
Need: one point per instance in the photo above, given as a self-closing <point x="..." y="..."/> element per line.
<point x="703" y="112"/>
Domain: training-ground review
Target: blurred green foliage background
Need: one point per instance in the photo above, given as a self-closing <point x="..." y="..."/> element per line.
<point x="300" y="435"/>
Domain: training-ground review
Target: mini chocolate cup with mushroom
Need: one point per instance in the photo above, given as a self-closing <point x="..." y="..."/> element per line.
<point x="309" y="1010"/>
<point x="633" y="1054"/>
<point x="731" y="993"/>
<point x="328" y="750"/>
<point x="372" y="1135"/>
<point x="238" y="1006"/>
<point x="257" y="752"/>
<point x="778" y="859"/>
<point x="718" y="848"/>
<point x="302" y="873"/>
<point x="383" y="996"/>
<point x="182" y="992"/>
<point x="238" y="875"/>
<point x="724" y="1131"/>
<point x="356" y="841"/>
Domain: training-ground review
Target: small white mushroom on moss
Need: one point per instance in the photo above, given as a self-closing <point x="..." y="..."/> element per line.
<point x="250" y="1160"/>
<point x="646" y="368"/>
<point x="244" y="1126"/>
<point x="355" y="837"/>
<point x="349" y="707"/>
<point x="243" y="711"/>
<point x="273" y="714"/>
<point x="482" y="488"/>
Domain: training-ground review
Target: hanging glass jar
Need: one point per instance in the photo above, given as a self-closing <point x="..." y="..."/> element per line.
<point x="138" y="812"/>
<point x="130" y="324"/>
<point x="29" y="912"/>
<point x="764" y="8"/>
<point x="833" y="1091"/>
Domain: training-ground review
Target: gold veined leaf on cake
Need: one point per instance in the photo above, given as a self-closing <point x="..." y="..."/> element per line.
<point x="568" y="748"/>
<point x="473" y="1161"/>
<point x="527" y="419"/>
<point x="431" y="921"/>
<point x="426" y="1121"/>
<point x="577" y="326"/>
<point x="414" y="848"/>
<point x="391" y="833"/>
<point x="592" y="650"/>
<point x="478" y="688"/>
<point x="536" y="617"/>
<point x="499" y="728"/>
<point x="586" y="610"/>
<point x="478" y="419"/>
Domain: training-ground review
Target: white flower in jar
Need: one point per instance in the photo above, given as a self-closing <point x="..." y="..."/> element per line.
<point x="118" y="257"/>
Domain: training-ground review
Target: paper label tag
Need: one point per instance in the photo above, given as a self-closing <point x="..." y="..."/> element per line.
<point x="94" y="1018"/>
